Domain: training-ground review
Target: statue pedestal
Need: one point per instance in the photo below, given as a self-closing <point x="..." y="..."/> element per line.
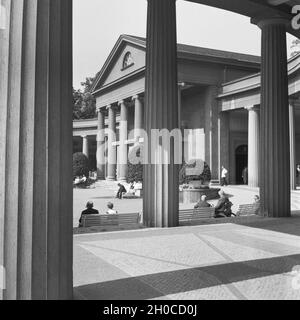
<point x="187" y="196"/>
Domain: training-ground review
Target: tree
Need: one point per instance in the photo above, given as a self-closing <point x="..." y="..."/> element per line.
<point x="295" y="47"/>
<point x="80" y="165"/>
<point x="84" y="103"/>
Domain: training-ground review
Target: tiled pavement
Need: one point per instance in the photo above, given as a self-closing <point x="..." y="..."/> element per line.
<point x="226" y="261"/>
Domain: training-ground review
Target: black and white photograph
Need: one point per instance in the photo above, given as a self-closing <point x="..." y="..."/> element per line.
<point x="149" y="153"/>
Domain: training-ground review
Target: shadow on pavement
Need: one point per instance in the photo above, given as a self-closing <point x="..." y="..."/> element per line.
<point x="167" y="283"/>
<point x="285" y="225"/>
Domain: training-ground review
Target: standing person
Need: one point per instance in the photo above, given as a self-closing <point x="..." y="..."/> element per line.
<point x="122" y="190"/>
<point x="245" y="175"/>
<point x="224" y="174"/>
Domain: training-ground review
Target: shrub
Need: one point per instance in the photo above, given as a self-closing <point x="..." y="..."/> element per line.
<point x="80" y="165"/>
<point x="204" y="176"/>
<point x="135" y="171"/>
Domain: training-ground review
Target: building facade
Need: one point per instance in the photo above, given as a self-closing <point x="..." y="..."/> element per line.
<point x="218" y="94"/>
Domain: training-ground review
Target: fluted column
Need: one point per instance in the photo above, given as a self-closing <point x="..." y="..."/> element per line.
<point x="253" y="146"/>
<point x="112" y="149"/>
<point x="138" y="117"/>
<point x="123" y="151"/>
<point x="292" y="145"/>
<point x="274" y="125"/>
<point x="224" y="141"/>
<point x="101" y="145"/>
<point x="36" y="197"/>
<point x="85" y="145"/>
<point x="161" y="199"/>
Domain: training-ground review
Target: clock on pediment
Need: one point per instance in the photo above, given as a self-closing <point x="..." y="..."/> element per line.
<point x="128" y="61"/>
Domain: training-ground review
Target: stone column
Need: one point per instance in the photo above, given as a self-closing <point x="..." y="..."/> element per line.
<point x="253" y="146"/>
<point x="180" y="88"/>
<point x="101" y="145"/>
<point x="223" y="124"/>
<point x="112" y="149"/>
<point x="274" y="125"/>
<point x="85" y="145"/>
<point x="211" y="130"/>
<point x="161" y="197"/>
<point x="123" y="149"/>
<point x="36" y="198"/>
<point x="138" y="117"/>
<point x="292" y="145"/>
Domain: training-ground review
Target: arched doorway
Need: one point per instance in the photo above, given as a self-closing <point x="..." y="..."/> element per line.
<point x="241" y="161"/>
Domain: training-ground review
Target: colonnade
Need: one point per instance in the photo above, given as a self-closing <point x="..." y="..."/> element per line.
<point x="110" y="113"/>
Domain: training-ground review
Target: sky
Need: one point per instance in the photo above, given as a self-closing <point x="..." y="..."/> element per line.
<point x="99" y="23"/>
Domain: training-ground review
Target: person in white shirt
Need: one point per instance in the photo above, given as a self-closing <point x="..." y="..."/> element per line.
<point x="224" y="174"/>
<point x="111" y="210"/>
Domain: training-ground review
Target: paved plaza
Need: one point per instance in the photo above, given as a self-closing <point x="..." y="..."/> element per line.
<point x="257" y="259"/>
<point x="227" y="261"/>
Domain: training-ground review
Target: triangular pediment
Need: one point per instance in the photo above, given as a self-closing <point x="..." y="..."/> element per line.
<point x="127" y="57"/>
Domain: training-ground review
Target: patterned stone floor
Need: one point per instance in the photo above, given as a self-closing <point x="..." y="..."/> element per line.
<point x="260" y="260"/>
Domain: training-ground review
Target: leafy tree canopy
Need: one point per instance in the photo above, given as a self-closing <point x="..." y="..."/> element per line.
<point x="84" y="103"/>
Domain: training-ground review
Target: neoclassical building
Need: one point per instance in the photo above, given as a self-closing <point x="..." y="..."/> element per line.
<point x="36" y="132"/>
<point x="218" y="93"/>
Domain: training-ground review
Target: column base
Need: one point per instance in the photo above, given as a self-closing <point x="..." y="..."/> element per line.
<point x="110" y="179"/>
<point x="122" y="180"/>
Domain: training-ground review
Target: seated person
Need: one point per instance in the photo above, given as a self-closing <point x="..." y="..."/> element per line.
<point x="132" y="188"/>
<point x="122" y="190"/>
<point x="223" y="208"/>
<point x="89" y="210"/>
<point x="202" y="203"/>
<point x="77" y="180"/>
<point x="111" y="210"/>
<point x="257" y="203"/>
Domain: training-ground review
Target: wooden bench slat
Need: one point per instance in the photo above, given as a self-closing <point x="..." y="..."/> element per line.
<point x="248" y="209"/>
<point x="105" y="220"/>
<point x="193" y="215"/>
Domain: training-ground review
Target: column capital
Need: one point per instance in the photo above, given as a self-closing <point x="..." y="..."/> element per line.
<point x="111" y="107"/>
<point x="135" y="97"/>
<point x="84" y="136"/>
<point x="101" y="109"/>
<point x="263" y="21"/>
<point x="294" y="102"/>
<point x="252" y="108"/>
<point x="121" y="102"/>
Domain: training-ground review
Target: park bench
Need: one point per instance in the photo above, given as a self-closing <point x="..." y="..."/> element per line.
<point x="195" y="215"/>
<point x="248" y="209"/>
<point x="96" y="220"/>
